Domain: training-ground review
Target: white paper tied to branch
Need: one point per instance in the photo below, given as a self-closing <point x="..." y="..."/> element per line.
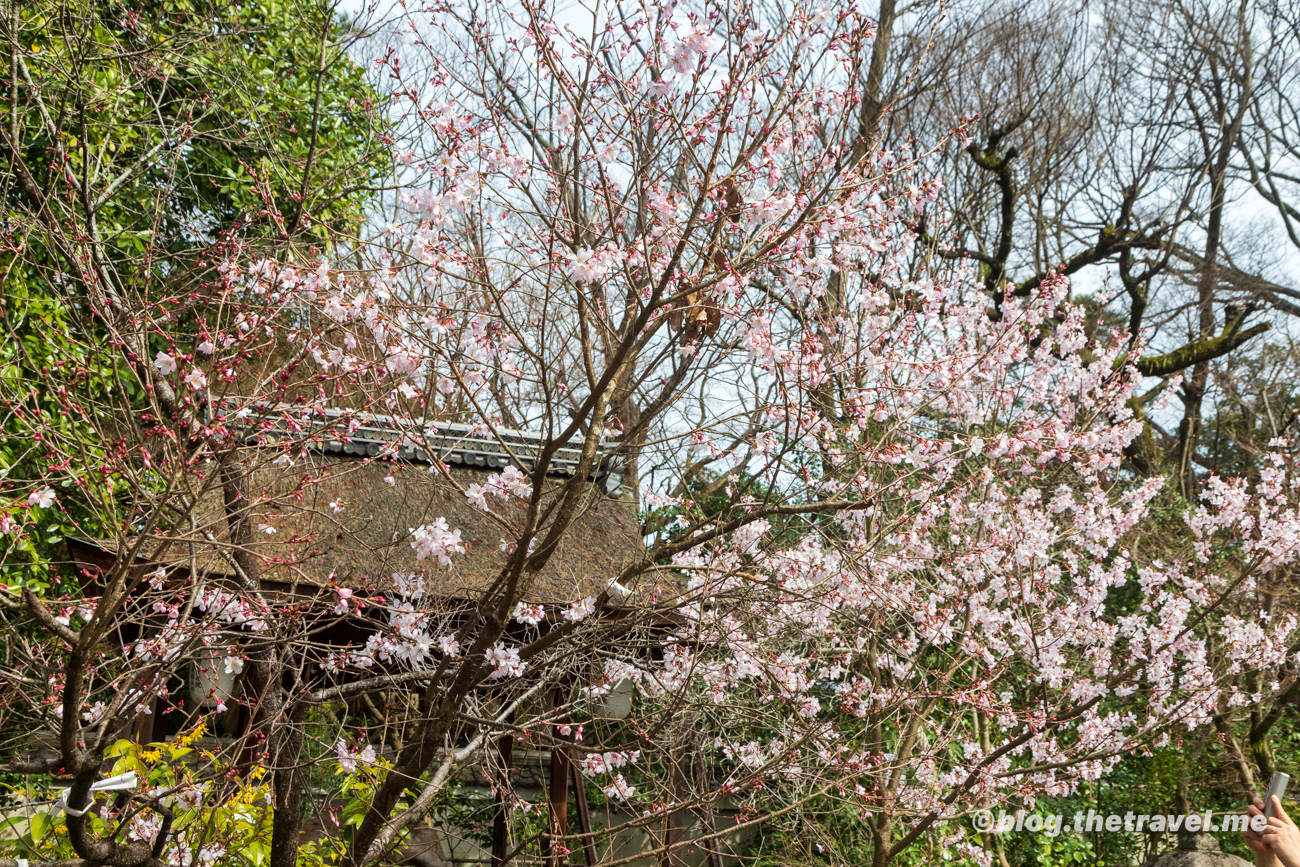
<point x="120" y="783"/>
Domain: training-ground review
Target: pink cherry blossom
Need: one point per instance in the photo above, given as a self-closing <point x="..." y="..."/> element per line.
<point x="43" y="499"/>
<point x="436" y="540"/>
<point x="505" y="662"/>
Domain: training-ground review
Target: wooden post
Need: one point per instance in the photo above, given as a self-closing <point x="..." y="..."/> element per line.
<point x="500" y="833"/>
<point x="558" y="795"/>
<point x="708" y="825"/>
<point x="144" y="722"/>
<point x="584" y="815"/>
<point x="140" y="728"/>
<point x="675" y="824"/>
<point x="557" y="791"/>
<point x="676" y="831"/>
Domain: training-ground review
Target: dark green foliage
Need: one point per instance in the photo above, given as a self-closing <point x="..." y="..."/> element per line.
<point x="137" y="137"/>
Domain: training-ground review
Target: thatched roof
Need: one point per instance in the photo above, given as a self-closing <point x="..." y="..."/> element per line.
<point x="342" y="515"/>
<point x="371" y="537"/>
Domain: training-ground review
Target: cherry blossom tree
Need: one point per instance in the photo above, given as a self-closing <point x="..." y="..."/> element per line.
<point x="660" y="237"/>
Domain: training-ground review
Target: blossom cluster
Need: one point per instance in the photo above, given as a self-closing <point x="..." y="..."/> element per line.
<point x="436" y="540"/>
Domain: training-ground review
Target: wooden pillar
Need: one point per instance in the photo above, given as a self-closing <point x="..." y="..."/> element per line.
<point x="248" y="746"/>
<point x="708" y="825"/>
<point x="145" y="722"/>
<point x="558" y="796"/>
<point x="675" y="833"/>
<point x="140" y="728"/>
<point x="584" y="815"/>
<point x="500" y="833"/>
<point x="557" y="792"/>
<point x="681" y="756"/>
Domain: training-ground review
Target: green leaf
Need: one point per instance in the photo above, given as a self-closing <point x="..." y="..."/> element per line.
<point x="40" y="826"/>
<point x="256" y="851"/>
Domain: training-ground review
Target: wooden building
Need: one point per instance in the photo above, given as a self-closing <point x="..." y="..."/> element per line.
<point x="343" y="509"/>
